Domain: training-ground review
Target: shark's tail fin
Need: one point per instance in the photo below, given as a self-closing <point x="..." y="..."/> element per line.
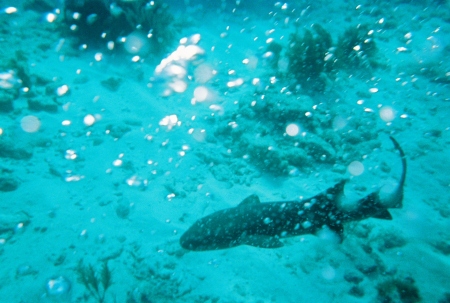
<point x="376" y="204"/>
<point x="392" y="196"/>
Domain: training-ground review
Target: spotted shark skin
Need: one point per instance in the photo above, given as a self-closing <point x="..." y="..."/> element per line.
<point x="264" y="224"/>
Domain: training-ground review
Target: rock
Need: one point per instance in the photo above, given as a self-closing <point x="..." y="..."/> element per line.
<point x="8" y="184"/>
<point x="353" y="277"/>
<point x="123" y="209"/>
<point x="111" y="83"/>
<point x="25" y="270"/>
<point x="8" y="150"/>
<point x="356" y="291"/>
<point x="9" y="222"/>
<point x="7" y="96"/>
<point x="46" y="104"/>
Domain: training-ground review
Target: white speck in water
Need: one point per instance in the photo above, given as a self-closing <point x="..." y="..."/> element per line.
<point x="306" y="224"/>
<point x="267" y="220"/>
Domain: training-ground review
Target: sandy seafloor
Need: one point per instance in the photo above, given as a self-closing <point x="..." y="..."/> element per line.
<point x="83" y="208"/>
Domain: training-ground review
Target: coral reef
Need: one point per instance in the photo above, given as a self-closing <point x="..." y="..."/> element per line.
<point x="356" y="48"/>
<point x="97" y="283"/>
<point x="314" y="59"/>
<point x="154" y="20"/>
<point x="309" y="58"/>
<point x="256" y="134"/>
<point x="97" y="23"/>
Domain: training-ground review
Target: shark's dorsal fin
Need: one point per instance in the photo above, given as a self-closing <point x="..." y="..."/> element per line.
<point x="252" y="199"/>
<point x="385" y="215"/>
<point x="336" y="193"/>
<point x="261" y="241"/>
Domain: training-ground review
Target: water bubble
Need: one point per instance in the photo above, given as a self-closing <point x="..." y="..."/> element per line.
<point x="292" y="130"/>
<point x="89" y="120"/>
<point x="30" y="124"/>
<point x="57" y="287"/>
<point x="355" y="168"/>
<point x="267" y="220"/>
<point x="201" y="93"/>
<point x="306" y="224"/>
<point x="387" y="114"/>
<point x="136" y="43"/>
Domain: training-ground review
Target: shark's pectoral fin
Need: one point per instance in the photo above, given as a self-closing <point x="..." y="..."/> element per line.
<point x="333" y="232"/>
<point x="384" y="214"/>
<point x="261" y="241"/>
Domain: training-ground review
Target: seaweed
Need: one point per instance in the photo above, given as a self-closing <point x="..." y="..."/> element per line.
<point x="154" y="20"/>
<point x="308" y="58"/>
<point x="87" y="20"/>
<point x="98" y="22"/>
<point x="97" y="283"/>
<point x="275" y="49"/>
<point x="314" y="59"/>
<point x="356" y="48"/>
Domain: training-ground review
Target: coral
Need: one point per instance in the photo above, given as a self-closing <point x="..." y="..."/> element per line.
<point x="97" y="22"/>
<point x="154" y="20"/>
<point x="356" y="48"/>
<point x="308" y="58"/>
<point x="97" y="283"/>
<point x="314" y="59"/>
<point x="274" y="49"/>
<point x="42" y="6"/>
<point x="88" y="20"/>
<point x="256" y="134"/>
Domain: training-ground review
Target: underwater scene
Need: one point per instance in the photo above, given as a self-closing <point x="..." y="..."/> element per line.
<point x="224" y="151"/>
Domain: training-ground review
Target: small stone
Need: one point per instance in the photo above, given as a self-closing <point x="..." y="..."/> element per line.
<point x="367" y="268"/>
<point x="111" y="83"/>
<point x="58" y="287"/>
<point x="123" y="209"/>
<point x="353" y="277"/>
<point x="25" y="270"/>
<point x="356" y="291"/>
<point x="8" y="184"/>
<point x="8" y="150"/>
<point x="46" y="104"/>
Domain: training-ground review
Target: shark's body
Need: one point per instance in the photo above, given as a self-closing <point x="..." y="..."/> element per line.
<point x="263" y="224"/>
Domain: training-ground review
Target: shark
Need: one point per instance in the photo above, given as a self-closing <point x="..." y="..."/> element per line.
<point x="263" y="225"/>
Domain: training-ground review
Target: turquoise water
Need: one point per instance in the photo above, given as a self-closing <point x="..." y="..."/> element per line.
<point x="124" y="123"/>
